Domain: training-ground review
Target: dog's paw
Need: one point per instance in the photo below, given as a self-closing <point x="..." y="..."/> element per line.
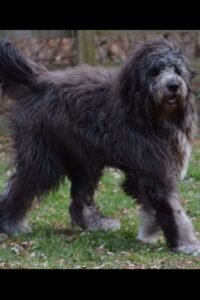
<point x="146" y="238"/>
<point x="104" y="224"/>
<point x="24" y="228"/>
<point x="15" y="229"/>
<point x="92" y="219"/>
<point x="193" y="250"/>
<point x="110" y="224"/>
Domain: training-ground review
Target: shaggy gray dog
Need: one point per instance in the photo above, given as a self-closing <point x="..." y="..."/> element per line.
<point x="139" y="119"/>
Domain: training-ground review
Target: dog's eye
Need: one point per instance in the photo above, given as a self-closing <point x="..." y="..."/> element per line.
<point x="154" y="71"/>
<point x="177" y="71"/>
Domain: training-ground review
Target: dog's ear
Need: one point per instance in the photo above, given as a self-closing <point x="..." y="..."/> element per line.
<point x="128" y="81"/>
<point x="178" y="51"/>
<point x="194" y="73"/>
<point x="3" y="87"/>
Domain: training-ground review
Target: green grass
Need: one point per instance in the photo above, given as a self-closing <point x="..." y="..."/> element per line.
<point x="54" y="243"/>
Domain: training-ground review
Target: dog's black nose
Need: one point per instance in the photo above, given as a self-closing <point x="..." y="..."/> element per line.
<point x="173" y="86"/>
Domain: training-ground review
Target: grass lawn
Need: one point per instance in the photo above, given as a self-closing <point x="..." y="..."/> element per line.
<point x="54" y="243"/>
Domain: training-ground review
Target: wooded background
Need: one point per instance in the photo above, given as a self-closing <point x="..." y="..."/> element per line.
<point x="58" y="49"/>
<point x="69" y="47"/>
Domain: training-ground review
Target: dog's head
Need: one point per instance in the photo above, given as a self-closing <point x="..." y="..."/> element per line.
<point x="160" y="75"/>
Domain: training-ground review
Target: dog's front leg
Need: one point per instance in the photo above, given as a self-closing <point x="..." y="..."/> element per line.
<point x="173" y="220"/>
<point x="149" y="228"/>
<point x="83" y="209"/>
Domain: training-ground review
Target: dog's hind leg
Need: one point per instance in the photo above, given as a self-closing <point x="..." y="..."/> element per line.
<point x="28" y="182"/>
<point x="83" y="210"/>
<point x="15" y="201"/>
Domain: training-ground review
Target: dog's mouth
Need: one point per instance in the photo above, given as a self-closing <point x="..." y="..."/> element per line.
<point x="171" y="101"/>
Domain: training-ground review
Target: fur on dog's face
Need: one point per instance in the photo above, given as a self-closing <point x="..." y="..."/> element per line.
<point x="158" y="75"/>
<point x="166" y="78"/>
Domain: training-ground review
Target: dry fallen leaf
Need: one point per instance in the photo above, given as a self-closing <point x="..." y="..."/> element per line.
<point x="100" y="249"/>
<point x="27" y="244"/>
<point x="16" y="248"/>
<point x="3" y="265"/>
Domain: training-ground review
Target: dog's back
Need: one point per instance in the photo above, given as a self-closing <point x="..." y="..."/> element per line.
<point x="18" y="73"/>
<point x="82" y="75"/>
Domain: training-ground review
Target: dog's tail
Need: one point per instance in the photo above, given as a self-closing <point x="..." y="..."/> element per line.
<point x="14" y="67"/>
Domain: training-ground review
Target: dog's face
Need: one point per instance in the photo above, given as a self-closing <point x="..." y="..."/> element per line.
<point x="158" y="75"/>
<point x="168" y="78"/>
<point x="164" y="77"/>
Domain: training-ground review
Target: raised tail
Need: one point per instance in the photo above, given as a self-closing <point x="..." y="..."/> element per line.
<point x="14" y="67"/>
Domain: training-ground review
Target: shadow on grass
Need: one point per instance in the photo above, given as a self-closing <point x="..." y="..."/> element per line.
<point x="113" y="241"/>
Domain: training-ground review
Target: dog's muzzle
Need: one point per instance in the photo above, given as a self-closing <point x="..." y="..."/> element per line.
<point x="169" y="89"/>
<point x="173" y="92"/>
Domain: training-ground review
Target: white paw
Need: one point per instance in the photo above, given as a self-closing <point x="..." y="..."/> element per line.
<point x="110" y="224"/>
<point x="104" y="223"/>
<point x="24" y="227"/>
<point x="148" y="240"/>
<point x="193" y="250"/>
<point x="15" y="229"/>
<point x="145" y="238"/>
